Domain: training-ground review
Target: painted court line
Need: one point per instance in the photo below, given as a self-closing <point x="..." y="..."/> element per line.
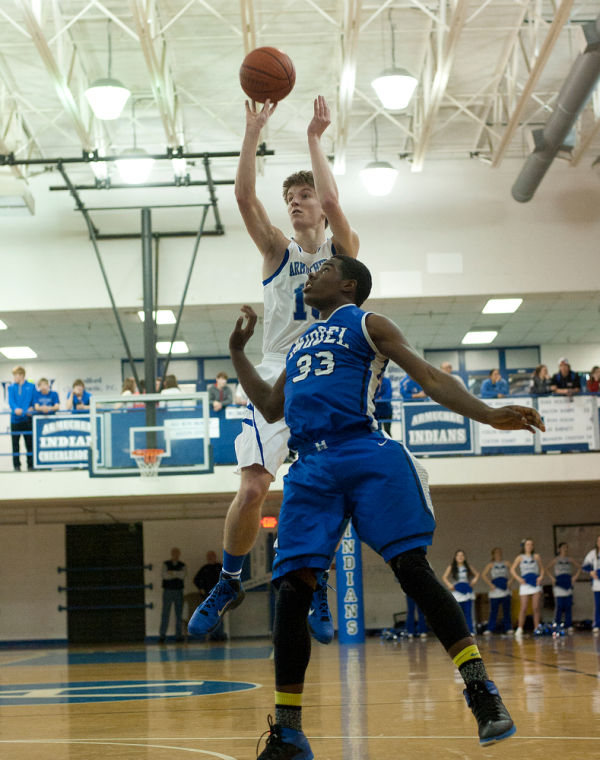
<point x="430" y="737"/>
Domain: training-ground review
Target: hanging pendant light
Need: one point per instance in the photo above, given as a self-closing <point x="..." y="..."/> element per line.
<point x="378" y="177"/>
<point x="394" y="86"/>
<point x="107" y="97"/>
<point x="134" y="170"/>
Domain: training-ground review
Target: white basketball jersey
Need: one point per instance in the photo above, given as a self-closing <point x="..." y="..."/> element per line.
<point x="286" y="315"/>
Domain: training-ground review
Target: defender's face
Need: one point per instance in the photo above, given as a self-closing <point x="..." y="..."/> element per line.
<point x="322" y="285"/>
<point x="303" y="207"/>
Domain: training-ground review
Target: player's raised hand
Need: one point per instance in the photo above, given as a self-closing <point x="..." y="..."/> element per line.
<point x="321" y="117"/>
<point x="242" y="333"/>
<point x="256" y="118"/>
<point x="516" y="418"/>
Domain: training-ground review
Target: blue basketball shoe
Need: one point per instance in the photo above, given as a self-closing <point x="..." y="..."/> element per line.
<point x="492" y="716"/>
<point x="226" y="595"/>
<point x="319" y="616"/>
<point x="285" y="744"/>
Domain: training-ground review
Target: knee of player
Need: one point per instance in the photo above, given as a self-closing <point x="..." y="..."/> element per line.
<point x="252" y="495"/>
<point x="409" y="568"/>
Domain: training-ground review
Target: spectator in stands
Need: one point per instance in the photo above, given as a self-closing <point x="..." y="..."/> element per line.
<point x="383" y="404"/>
<point x="411" y="390"/>
<point x="173" y="576"/>
<point x="219" y="394"/>
<point x="45" y="401"/>
<point x="170" y="385"/>
<point x="495" y="386"/>
<point x="565" y="382"/>
<point x="129" y="387"/>
<point x="20" y="401"/>
<point x="593" y="383"/>
<point x="447" y="368"/>
<point x="540" y="381"/>
<point x="205" y="580"/>
<point x="78" y="400"/>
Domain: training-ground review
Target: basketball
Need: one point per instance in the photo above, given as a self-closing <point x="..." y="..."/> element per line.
<point x="267" y="73"/>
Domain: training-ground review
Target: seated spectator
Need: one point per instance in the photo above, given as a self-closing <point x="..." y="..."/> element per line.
<point x="593" y="383"/>
<point x="495" y="386"/>
<point x="565" y="382"/>
<point x="20" y="401"/>
<point x="383" y="404"/>
<point x="78" y="400"/>
<point x="45" y="401"/>
<point x="219" y="394"/>
<point x="411" y="390"/>
<point x="540" y="381"/>
<point x="447" y="368"/>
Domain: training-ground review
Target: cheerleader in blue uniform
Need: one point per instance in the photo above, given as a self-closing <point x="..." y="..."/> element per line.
<point x="561" y="571"/>
<point x="591" y="564"/>
<point x="530" y="575"/>
<point x="497" y="576"/>
<point x="460" y="577"/>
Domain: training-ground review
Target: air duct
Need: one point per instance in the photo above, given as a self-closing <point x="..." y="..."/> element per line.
<point x="573" y="96"/>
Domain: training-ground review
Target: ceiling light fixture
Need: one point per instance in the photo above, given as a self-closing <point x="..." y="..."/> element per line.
<point x="162" y="316"/>
<point x="107" y="97"/>
<point x="479" y="336"/>
<point x="134" y="171"/>
<point x="3" y="325"/>
<point x="18" y="352"/>
<point x="179" y="347"/>
<point x="502" y="305"/>
<point x="378" y="177"/>
<point x="395" y="86"/>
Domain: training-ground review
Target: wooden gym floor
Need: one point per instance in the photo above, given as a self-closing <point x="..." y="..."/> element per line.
<point x="385" y="700"/>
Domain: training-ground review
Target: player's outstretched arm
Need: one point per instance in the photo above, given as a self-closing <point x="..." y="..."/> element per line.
<point x="345" y="238"/>
<point x="269" y="240"/>
<point x="444" y="388"/>
<point x="268" y="400"/>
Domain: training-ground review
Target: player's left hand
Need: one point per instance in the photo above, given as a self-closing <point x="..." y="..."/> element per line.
<point x="321" y="118"/>
<point x="242" y="333"/>
<point x="516" y="418"/>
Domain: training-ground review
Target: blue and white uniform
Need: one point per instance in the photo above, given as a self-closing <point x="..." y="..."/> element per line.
<point x="529" y="569"/>
<point x="346" y="469"/>
<point x="563" y="590"/>
<point x="285" y="318"/>
<point x="499" y="596"/>
<point x="464" y="594"/>
<point x="592" y="562"/>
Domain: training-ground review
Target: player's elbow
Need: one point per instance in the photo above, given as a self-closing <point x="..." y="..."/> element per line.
<point x="272" y="414"/>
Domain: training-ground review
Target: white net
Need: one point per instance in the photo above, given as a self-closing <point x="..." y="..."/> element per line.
<point x="148" y="461"/>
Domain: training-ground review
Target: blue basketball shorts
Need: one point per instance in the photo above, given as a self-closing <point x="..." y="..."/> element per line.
<point x="373" y="481"/>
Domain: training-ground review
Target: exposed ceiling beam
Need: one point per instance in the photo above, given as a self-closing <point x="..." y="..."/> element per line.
<point x="248" y="25"/>
<point x="58" y="77"/>
<point x="447" y="39"/>
<point x="560" y="19"/>
<point x="349" y="45"/>
<point x="163" y="87"/>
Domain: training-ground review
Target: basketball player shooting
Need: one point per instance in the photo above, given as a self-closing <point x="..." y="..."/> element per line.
<point x="313" y="205"/>
<point x="347" y="469"/>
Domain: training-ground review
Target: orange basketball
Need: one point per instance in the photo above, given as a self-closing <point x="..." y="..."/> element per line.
<point x="267" y="73"/>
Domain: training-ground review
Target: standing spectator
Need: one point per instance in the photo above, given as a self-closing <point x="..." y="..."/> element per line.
<point x="593" y="383"/>
<point x="540" y="381"/>
<point x="78" y="401"/>
<point x="383" y="404"/>
<point x="410" y="390"/>
<point x="531" y="573"/>
<point x="173" y="575"/>
<point x="129" y="388"/>
<point x="170" y="387"/>
<point x="219" y="394"/>
<point x="497" y="576"/>
<point x="591" y="565"/>
<point x="495" y="386"/>
<point x="45" y="401"/>
<point x="565" y="382"/>
<point x="561" y="571"/>
<point x="447" y="368"/>
<point x="460" y="577"/>
<point x="20" y="401"/>
<point x="205" y="580"/>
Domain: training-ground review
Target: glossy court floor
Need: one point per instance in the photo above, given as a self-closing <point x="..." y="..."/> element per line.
<point x="384" y="700"/>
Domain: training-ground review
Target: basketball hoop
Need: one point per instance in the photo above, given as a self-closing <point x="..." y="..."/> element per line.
<point x="148" y="461"/>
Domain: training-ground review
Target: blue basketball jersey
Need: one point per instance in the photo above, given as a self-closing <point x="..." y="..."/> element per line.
<point x="332" y="373"/>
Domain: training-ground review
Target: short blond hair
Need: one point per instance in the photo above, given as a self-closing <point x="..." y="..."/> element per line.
<point x="18" y="370"/>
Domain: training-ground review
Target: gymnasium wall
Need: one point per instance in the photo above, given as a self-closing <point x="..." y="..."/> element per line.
<point x="456" y="207"/>
<point x="474" y="518"/>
